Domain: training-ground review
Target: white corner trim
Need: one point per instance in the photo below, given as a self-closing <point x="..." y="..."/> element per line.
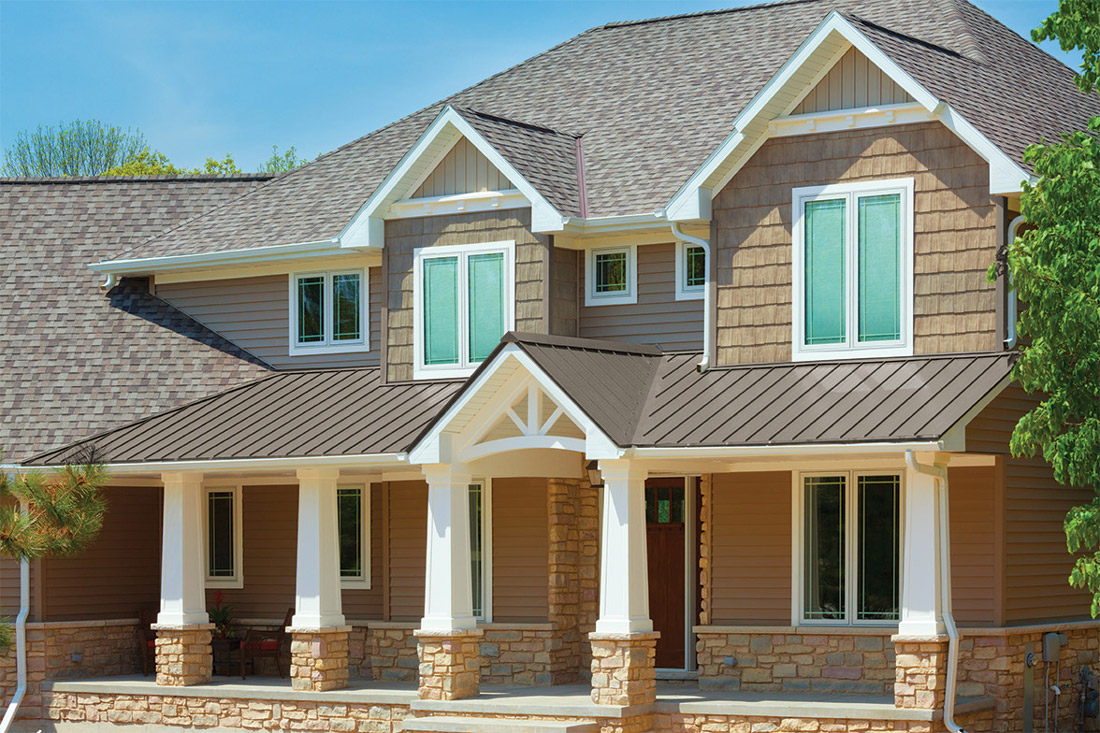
<point x="630" y="296"/>
<point x="329" y="346"/>
<point x="848" y="119"/>
<point x="683" y="292"/>
<point x="367" y="228"/>
<point x="237" y="580"/>
<point x="461" y="203"/>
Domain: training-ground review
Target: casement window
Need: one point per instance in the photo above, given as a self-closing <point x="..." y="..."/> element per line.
<point x="353" y="522"/>
<point x="463" y="303"/>
<point x="328" y="312"/>
<point x="222" y="537"/>
<point x="853" y="271"/>
<point x="481" y="549"/>
<point x="611" y="276"/>
<point x="691" y="271"/>
<point x="849" y="548"/>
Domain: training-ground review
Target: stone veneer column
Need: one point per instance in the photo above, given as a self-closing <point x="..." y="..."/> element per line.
<point x="564" y="591"/>
<point x="319" y="657"/>
<point x="920" y="671"/>
<point x="624" y="668"/>
<point x="183" y="653"/>
<point x="450" y="664"/>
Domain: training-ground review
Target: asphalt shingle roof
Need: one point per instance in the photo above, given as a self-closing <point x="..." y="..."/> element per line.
<point x="652" y="99"/>
<point x="72" y="359"/>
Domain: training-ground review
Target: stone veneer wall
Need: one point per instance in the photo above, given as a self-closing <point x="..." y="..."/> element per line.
<point x="564" y="591"/>
<point x="706" y="544"/>
<point x="790" y="660"/>
<point x="588" y="570"/>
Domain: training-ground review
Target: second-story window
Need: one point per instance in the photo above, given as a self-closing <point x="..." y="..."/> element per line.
<point x="853" y="276"/>
<point x="611" y="276"/>
<point x="463" y="305"/>
<point x="328" y="312"/>
<point x="691" y="271"/>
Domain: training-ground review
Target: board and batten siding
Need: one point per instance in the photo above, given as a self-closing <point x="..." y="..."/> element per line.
<point x="954" y="238"/>
<point x="463" y="170"/>
<point x="118" y="574"/>
<point x="521" y="550"/>
<point x="1036" y="562"/>
<point x="404" y="236"/>
<point x="254" y="313"/>
<point x="657" y="317"/>
<point x="853" y="83"/>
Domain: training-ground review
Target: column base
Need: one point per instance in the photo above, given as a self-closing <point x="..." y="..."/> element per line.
<point x="450" y="664"/>
<point x="921" y="671"/>
<point x="318" y="657"/>
<point x="624" y="669"/>
<point x="184" y="655"/>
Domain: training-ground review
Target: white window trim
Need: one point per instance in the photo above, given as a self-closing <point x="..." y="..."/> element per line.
<point x="630" y="297"/>
<point x="683" y="290"/>
<point x="465" y="367"/>
<point x="851" y="349"/>
<point x="486" y="484"/>
<point x="361" y="583"/>
<point x="798" y="518"/>
<point x="237" y="580"/>
<point x="328" y="346"/>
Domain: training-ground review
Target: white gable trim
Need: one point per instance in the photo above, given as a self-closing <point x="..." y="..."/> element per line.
<point x="367" y="228"/>
<point x="441" y="446"/>
<point x="813" y="59"/>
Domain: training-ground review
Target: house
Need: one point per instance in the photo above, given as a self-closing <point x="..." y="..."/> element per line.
<point x="653" y="384"/>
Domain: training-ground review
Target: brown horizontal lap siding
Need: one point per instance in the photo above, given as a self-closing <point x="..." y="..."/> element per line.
<point x="751" y="548"/>
<point x="1036" y="562"/>
<point x="403" y="236"/>
<point x="954" y="236"/>
<point x="408" y="534"/>
<point x="974" y="584"/>
<point x="254" y="313"/>
<point x="521" y="554"/>
<point x="119" y="573"/>
<point x="362" y="603"/>
<point x="657" y="317"/>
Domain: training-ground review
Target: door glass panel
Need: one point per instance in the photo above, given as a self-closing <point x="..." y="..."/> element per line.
<point x="880" y="268"/>
<point x="486" y="298"/>
<point x="879" y="547"/>
<point x="346" y="307"/>
<point x="311" y="309"/>
<point x="441" y="310"/>
<point x="824" y="559"/>
<point x="825" y="292"/>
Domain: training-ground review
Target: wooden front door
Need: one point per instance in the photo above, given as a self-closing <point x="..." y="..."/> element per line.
<point x="664" y="509"/>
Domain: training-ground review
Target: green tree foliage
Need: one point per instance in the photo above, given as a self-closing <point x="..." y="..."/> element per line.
<point x="77" y="148"/>
<point x="219" y="167"/>
<point x="280" y="163"/>
<point x="1055" y="267"/>
<point x="146" y="163"/>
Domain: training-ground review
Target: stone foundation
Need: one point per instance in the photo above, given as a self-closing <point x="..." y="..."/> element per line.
<point x="624" y="668"/>
<point x="784" y="659"/>
<point x="921" y="671"/>
<point x="184" y="655"/>
<point x="450" y="664"/>
<point x="392" y="649"/>
<point x="319" y="658"/>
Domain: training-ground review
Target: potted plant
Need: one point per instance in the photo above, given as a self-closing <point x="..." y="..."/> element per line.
<point x="221" y="615"/>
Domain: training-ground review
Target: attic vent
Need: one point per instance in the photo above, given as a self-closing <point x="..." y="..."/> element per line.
<point x="853" y="83"/>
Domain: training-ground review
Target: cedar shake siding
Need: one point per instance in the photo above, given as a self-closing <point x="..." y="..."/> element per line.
<point x="566" y="294"/>
<point x="115" y="577"/>
<point x="254" y="313"/>
<point x="403" y="236"/>
<point x="657" y="318"/>
<point x="521" y="550"/>
<point x="1036" y="562"/>
<point x="954" y="236"/>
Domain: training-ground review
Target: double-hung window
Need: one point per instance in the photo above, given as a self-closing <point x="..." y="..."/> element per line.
<point x="481" y="549"/>
<point x="328" y="312"/>
<point x="462" y="305"/>
<point x="850" y="548"/>
<point x="691" y="271"/>
<point x="853" y="271"/>
<point x="611" y="276"/>
<point x="222" y="537"/>
<point x="353" y="522"/>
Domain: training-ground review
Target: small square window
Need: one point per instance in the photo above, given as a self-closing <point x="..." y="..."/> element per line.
<point x="611" y="276"/>
<point x="328" y="312"/>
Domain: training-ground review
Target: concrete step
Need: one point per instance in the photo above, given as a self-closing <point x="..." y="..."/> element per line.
<point x="457" y="724"/>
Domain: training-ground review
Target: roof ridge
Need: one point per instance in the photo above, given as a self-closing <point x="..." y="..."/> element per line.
<point x="904" y="36"/>
<point x="704" y="13"/>
<point x="584" y="344"/>
<point x="178" y="177"/>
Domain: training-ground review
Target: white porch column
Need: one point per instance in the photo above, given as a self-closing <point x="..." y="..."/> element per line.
<point x="182" y="575"/>
<point x="448" y="605"/>
<point x="921" y="607"/>
<point x="624" y="573"/>
<point x="317" y="594"/>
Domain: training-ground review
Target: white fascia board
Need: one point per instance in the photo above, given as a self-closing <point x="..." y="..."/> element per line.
<point x="782" y="450"/>
<point x="254" y="464"/>
<point x="274" y="253"/>
<point x="367" y="228"/>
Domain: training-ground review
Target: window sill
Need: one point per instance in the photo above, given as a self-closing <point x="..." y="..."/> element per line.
<point x="690" y="294"/>
<point x="802" y="354"/>
<point x="448" y="372"/>
<point x="591" y="300"/>
<point x="328" y="349"/>
<point x="355" y="584"/>
<point x="223" y="583"/>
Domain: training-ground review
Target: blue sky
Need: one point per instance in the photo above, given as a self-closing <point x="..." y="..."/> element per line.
<point x="209" y="78"/>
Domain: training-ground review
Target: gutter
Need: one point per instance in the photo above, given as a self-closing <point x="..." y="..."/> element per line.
<point x="272" y="253"/>
<point x="940" y="475"/>
<point x="704" y="363"/>
<point x="780" y="450"/>
<point x="20" y="644"/>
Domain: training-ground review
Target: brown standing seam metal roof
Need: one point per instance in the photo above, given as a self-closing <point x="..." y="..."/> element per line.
<point x="653" y="99"/>
<point x="637" y="395"/>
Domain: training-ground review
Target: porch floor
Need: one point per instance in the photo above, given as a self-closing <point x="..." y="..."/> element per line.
<point x="563" y="700"/>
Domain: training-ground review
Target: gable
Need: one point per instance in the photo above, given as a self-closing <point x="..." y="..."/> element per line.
<point x="464" y="169"/>
<point x="854" y="82"/>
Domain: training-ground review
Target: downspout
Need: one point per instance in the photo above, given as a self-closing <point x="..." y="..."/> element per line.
<point x="105" y="286"/>
<point x="704" y="363"/>
<point x="20" y="644"/>
<point x="940" y="474"/>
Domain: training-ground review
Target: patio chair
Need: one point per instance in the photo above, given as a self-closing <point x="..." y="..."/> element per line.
<point x="259" y="644"/>
<point x="147" y="640"/>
